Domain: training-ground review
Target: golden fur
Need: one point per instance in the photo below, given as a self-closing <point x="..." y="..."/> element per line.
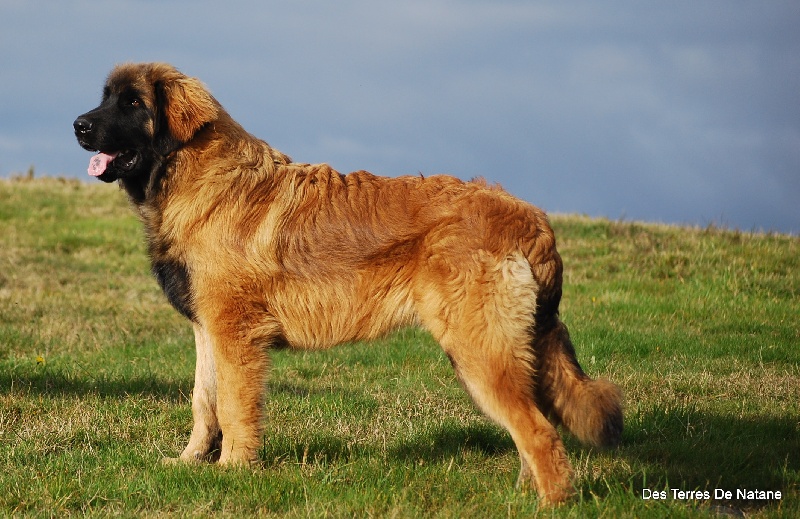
<point x="259" y="251"/>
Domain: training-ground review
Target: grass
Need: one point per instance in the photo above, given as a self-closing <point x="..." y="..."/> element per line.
<point x="700" y="327"/>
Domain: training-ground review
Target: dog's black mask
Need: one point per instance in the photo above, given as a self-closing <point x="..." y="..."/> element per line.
<point x="127" y="133"/>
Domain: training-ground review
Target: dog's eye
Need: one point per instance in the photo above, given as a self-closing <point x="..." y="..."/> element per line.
<point x="135" y="102"/>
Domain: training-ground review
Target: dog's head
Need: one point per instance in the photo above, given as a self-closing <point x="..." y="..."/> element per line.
<point x="148" y="111"/>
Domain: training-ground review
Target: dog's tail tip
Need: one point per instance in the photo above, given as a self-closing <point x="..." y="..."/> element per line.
<point x="599" y="420"/>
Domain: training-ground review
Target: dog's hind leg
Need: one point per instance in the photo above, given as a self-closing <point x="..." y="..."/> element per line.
<point x="500" y="385"/>
<point x="589" y="409"/>
<point x="484" y="321"/>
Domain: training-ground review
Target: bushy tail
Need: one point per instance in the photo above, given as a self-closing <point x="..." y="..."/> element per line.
<point x="589" y="409"/>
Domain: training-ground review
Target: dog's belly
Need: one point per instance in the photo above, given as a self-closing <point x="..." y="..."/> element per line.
<point x="326" y="314"/>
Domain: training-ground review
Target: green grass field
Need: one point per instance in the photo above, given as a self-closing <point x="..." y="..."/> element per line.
<point x="700" y="328"/>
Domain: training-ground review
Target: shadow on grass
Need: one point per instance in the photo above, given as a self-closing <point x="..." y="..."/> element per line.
<point x="57" y="383"/>
<point x="680" y="449"/>
<point x="435" y="445"/>
<point x="677" y="449"/>
<point x="692" y="450"/>
<point x="451" y="439"/>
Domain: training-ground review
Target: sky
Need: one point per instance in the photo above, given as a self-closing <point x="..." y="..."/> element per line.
<point x="683" y="112"/>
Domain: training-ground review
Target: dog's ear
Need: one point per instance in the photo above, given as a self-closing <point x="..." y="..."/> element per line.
<point x="187" y="106"/>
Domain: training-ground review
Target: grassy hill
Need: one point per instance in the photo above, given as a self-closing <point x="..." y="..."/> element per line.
<point x="700" y="327"/>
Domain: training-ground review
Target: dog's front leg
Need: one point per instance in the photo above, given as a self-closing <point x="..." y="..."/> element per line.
<point x="241" y="340"/>
<point x="206" y="433"/>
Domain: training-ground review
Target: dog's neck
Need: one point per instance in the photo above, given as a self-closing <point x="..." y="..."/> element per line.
<point x="144" y="187"/>
<point x="148" y="192"/>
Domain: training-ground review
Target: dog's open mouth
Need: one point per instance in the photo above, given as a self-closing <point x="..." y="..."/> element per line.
<point x="123" y="160"/>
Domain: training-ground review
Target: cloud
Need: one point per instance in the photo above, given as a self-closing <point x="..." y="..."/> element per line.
<point x="683" y="112"/>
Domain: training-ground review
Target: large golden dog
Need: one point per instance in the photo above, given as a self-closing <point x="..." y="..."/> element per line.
<point x="258" y="251"/>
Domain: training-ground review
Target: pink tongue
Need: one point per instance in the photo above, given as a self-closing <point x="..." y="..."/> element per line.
<point x="98" y="163"/>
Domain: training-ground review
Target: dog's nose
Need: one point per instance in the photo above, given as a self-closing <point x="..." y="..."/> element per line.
<point x="82" y="125"/>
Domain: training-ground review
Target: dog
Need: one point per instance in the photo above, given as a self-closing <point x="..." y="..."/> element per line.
<point x="257" y="251"/>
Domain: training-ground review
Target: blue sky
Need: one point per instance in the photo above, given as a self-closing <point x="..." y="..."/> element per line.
<point x="679" y="112"/>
